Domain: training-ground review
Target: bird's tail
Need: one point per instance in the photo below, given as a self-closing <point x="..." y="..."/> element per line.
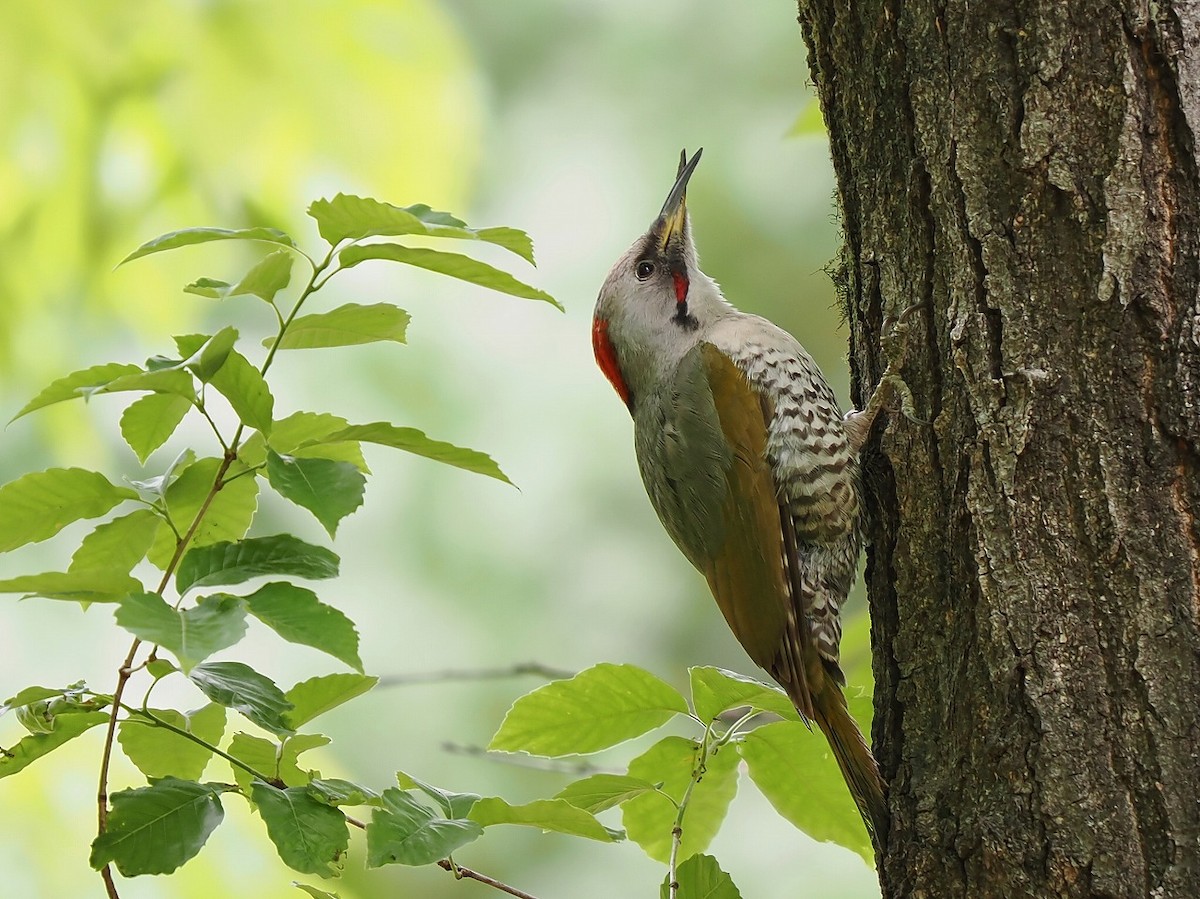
<point x="855" y="759"/>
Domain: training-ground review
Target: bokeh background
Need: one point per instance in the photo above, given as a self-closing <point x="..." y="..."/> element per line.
<point x="123" y="120"/>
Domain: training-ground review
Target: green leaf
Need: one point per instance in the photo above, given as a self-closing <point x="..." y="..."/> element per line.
<point x="600" y="707"/>
<point x="190" y="236"/>
<point x="795" y="769"/>
<point x="600" y="792"/>
<point x="117" y="545"/>
<point x="278" y="761"/>
<point x="29" y="749"/>
<point x="335" y="791"/>
<point x="207" y="360"/>
<point x="148" y="422"/>
<point x="247" y="391"/>
<point x="405" y="832"/>
<point x="299" y="617"/>
<point x="347" y="325"/>
<point x="311" y="428"/>
<point x="269" y="276"/>
<point x="455" y="805"/>
<point x="155" y="829"/>
<point x="318" y="695"/>
<point x="228" y="516"/>
<point x="310" y="836"/>
<point x="350" y="217"/>
<point x="715" y="690"/>
<point x="241" y="688"/>
<point x="158" y="752"/>
<point x="209" y="287"/>
<point x="453" y="264"/>
<point x="191" y="635"/>
<point x="37" y="506"/>
<point x="233" y="563"/>
<point x="314" y="892"/>
<point x="171" y="380"/>
<point x="73" y="586"/>
<point x="557" y="815"/>
<point x="36" y="694"/>
<point x="413" y="441"/>
<point x="700" y="877"/>
<point x="76" y="385"/>
<point x="649" y="818"/>
<point x="330" y="490"/>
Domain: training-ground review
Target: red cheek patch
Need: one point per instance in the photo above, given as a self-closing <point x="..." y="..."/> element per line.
<point x="681" y="286"/>
<point x="606" y="358"/>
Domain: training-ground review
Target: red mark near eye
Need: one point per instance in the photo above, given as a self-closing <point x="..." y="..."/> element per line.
<point x="606" y="358"/>
<point x="681" y="286"/>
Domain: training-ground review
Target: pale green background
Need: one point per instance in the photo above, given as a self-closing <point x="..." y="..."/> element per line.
<point x="121" y="120"/>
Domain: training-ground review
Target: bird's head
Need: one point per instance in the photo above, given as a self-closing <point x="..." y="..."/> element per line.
<point x="655" y="303"/>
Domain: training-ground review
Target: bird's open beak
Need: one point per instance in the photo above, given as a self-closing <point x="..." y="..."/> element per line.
<point x="674" y="211"/>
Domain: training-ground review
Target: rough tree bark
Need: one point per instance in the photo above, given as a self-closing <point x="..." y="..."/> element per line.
<point x="1027" y="172"/>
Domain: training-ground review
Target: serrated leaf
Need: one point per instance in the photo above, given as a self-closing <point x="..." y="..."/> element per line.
<point x="557" y="815"/>
<point x="158" y="752"/>
<point x="413" y="441"/>
<point x="74" y="586"/>
<point x="303" y="434"/>
<point x="649" y="818"/>
<point x="330" y="490"/>
<point x="31" y="695"/>
<point x="299" y="617"/>
<point x="350" y="217"/>
<point x="147" y="423"/>
<point x="318" y="695"/>
<point x="31" y="748"/>
<point x="208" y="359"/>
<point x="75" y="385"/>
<point x="191" y="236"/>
<point x="156" y="829"/>
<point x="234" y="563"/>
<point x="277" y="761"/>
<point x="348" y="325"/>
<point x="600" y="792"/>
<point x="310" y="836"/>
<point x="795" y="769"/>
<point x="338" y="792"/>
<point x="454" y="805"/>
<point x="405" y="832"/>
<point x="269" y="276"/>
<point x="715" y="690"/>
<point x="117" y="545"/>
<point x="600" y="707"/>
<point x="241" y="688"/>
<point x="247" y="391"/>
<point x="700" y="877"/>
<point x="227" y="518"/>
<point x="453" y="264"/>
<point x="37" y="506"/>
<point x="191" y="635"/>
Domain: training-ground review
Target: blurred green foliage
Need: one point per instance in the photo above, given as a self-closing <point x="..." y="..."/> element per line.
<point x="123" y="120"/>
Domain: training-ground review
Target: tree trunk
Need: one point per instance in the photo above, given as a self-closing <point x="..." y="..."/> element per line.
<point x="1026" y="172"/>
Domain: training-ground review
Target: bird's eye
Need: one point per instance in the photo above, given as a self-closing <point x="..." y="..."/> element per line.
<point x="644" y="270"/>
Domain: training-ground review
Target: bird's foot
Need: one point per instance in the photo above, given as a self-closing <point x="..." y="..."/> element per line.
<point x="891" y="385"/>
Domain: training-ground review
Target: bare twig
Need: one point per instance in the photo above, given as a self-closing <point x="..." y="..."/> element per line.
<point x="522" y="669"/>
<point x="460" y="872"/>
<point x="677" y="830"/>
<point x="525" y="761"/>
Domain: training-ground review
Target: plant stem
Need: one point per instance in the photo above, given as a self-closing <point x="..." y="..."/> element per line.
<point x="677" y="830"/>
<point x="460" y="872"/>
<point x="535" y="669"/>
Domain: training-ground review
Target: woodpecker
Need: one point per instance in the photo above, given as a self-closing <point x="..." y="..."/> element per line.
<point x="750" y="465"/>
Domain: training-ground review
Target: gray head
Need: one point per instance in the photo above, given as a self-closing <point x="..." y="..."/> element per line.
<point x="655" y="304"/>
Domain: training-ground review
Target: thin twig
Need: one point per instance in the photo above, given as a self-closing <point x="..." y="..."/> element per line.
<point x="460" y="872"/>
<point x="521" y="669"/>
<point x="159" y="722"/>
<point x="524" y="761"/>
<point x="677" y="830"/>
